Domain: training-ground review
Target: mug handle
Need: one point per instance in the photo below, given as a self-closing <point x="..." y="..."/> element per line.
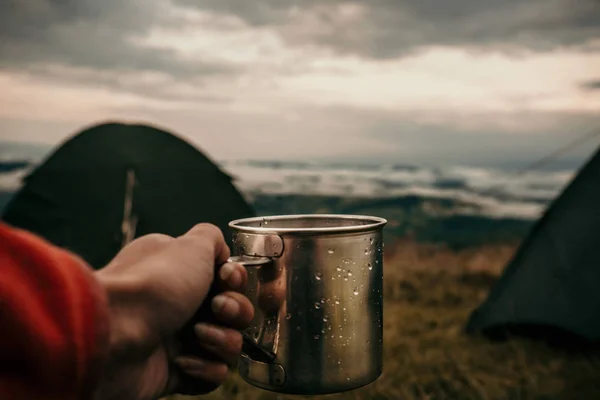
<point x="251" y="348"/>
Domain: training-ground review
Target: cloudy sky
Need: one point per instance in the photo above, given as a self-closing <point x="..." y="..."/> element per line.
<point x="429" y="81"/>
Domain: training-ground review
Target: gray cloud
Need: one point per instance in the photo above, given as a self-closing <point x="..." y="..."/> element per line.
<point x="90" y="34"/>
<point x="168" y="90"/>
<point x="392" y="28"/>
<point x="100" y="34"/>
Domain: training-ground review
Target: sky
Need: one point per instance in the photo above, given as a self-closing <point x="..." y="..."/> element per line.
<point x="469" y="82"/>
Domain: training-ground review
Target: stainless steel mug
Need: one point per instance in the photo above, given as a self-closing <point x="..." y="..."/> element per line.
<point x="316" y="282"/>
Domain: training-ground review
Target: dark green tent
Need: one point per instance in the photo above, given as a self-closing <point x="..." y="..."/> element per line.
<point x="551" y="287"/>
<point x="113" y="182"/>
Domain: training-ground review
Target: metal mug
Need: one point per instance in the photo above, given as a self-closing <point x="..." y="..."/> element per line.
<point x="316" y="282"/>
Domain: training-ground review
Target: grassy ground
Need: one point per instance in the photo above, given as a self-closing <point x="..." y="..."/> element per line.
<point x="429" y="294"/>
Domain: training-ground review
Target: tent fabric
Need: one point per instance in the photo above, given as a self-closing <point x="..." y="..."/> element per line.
<point x="113" y="176"/>
<point x="553" y="281"/>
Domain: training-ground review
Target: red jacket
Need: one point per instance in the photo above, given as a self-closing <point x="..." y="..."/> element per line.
<point x="53" y="321"/>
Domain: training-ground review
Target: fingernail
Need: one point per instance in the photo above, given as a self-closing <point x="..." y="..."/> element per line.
<point x="230" y="273"/>
<point x="210" y="334"/>
<point x="189" y="363"/>
<point x="225" y="305"/>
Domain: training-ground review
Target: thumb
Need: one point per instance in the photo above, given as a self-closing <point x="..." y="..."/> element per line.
<point x="212" y="236"/>
<point x="188" y="269"/>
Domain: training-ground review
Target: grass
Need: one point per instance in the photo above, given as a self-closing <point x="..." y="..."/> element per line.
<point x="429" y="294"/>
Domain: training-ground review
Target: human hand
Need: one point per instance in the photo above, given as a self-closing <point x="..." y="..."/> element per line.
<point x="155" y="285"/>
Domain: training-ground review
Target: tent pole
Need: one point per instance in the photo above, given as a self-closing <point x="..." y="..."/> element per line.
<point x="129" y="223"/>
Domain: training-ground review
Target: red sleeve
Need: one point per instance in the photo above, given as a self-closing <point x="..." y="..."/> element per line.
<point x="53" y="321"/>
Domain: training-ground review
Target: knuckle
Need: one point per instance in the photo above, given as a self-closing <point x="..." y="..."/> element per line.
<point x="209" y="235"/>
<point x="192" y="242"/>
<point x="209" y="229"/>
<point x="159" y="238"/>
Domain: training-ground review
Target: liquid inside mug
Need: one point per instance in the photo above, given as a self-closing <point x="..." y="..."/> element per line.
<point x="316" y="282"/>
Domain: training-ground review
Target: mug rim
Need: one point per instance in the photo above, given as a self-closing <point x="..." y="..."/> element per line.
<point x="374" y="223"/>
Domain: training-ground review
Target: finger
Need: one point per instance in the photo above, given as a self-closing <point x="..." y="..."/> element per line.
<point x="233" y="309"/>
<point x="223" y="342"/>
<point x="208" y="371"/>
<point x="220" y="249"/>
<point x="232" y="276"/>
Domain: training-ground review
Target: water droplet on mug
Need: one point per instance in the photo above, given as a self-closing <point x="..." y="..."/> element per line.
<point x="338" y="268"/>
<point x="325" y="319"/>
<point x="355" y="291"/>
<point x="349" y="273"/>
<point x="322" y="301"/>
<point x="330" y="251"/>
<point x="346" y="278"/>
<point x="370" y="266"/>
<point x="318" y="276"/>
<point x="317" y="305"/>
<point x="337" y="302"/>
<point x="316" y="337"/>
<point x="288" y="316"/>
<point x="371" y="241"/>
<point x="367" y="252"/>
